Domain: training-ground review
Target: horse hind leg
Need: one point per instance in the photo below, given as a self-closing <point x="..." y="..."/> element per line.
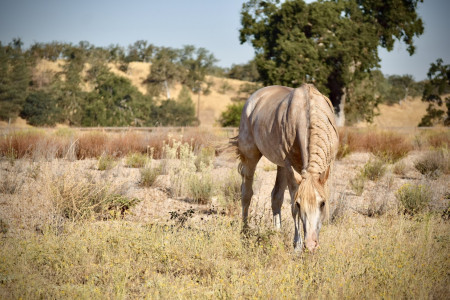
<point x="247" y="169"/>
<point x="278" y="196"/>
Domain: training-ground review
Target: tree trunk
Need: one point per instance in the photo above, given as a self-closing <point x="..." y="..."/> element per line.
<point x="167" y="89"/>
<point x="340" y="120"/>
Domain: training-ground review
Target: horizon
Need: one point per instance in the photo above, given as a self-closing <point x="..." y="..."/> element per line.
<point x="195" y="23"/>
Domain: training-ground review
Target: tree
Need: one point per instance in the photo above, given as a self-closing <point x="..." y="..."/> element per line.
<point x="437" y="85"/>
<point x="245" y="72"/>
<point x="15" y="79"/>
<point x="114" y="102"/>
<point x="140" y="51"/>
<point x="232" y="115"/>
<point x="40" y="109"/>
<point x="197" y="63"/>
<point x="297" y="42"/>
<point x="164" y="71"/>
<point x="175" y="113"/>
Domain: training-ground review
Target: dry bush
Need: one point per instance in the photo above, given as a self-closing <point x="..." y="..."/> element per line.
<point x="76" y="198"/>
<point x="413" y="198"/>
<point x="400" y="168"/>
<point x="439" y="139"/>
<point x="357" y="184"/>
<point x="389" y="146"/>
<point x="434" y="163"/>
<point x="121" y="144"/>
<point x="149" y="175"/>
<point x="11" y="183"/>
<point x="201" y="188"/>
<point x="136" y="160"/>
<point x="231" y="190"/>
<point x="204" y="158"/>
<point x="91" y="144"/>
<point x="374" y="169"/>
<point x="21" y="143"/>
<point x="200" y="138"/>
<point x="106" y="162"/>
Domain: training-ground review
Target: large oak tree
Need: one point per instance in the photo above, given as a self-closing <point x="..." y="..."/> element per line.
<point x="333" y="44"/>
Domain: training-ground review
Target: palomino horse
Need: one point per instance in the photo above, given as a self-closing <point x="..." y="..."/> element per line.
<point x="295" y="129"/>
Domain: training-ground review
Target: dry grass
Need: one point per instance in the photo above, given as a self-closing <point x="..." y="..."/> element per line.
<point x="434" y="163"/>
<point x="389" y="146"/>
<point x="389" y="258"/>
<point x="93" y="243"/>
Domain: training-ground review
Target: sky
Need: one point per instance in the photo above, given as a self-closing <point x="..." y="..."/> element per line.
<point x="211" y="24"/>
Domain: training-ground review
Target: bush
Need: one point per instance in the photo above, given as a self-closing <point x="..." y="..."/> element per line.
<point x="399" y="168"/>
<point x="374" y="169"/>
<point x="149" y="175"/>
<point x="434" y="163"/>
<point x="413" y="198"/>
<point x="232" y="115"/>
<point x="106" y="162"/>
<point x="357" y="184"/>
<point x="204" y="158"/>
<point x="231" y="189"/>
<point x="83" y="199"/>
<point x="136" y="160"/>
<point x="201" y="188"/>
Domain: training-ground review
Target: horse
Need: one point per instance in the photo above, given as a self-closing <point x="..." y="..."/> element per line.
<point x="295" y="129"/>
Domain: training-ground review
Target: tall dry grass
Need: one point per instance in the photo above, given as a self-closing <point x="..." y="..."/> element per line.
<point x="386" y="258"/>
<point x="390" y="146"/>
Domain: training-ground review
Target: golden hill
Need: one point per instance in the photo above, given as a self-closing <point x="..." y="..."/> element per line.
<point x="406" y="114"/>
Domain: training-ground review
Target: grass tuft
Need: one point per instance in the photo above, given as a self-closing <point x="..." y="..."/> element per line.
<point x="149" y="175"/>
<point x="413" y="198"/>
<point x="136" y="160"/>
<point x="434" y="163"/>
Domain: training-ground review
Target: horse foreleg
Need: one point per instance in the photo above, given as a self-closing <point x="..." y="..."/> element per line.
<point x="298" y="241"/>
<point x="278" y="196"/>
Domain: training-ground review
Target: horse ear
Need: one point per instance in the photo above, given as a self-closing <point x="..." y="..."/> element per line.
<point x="324" y="176"/>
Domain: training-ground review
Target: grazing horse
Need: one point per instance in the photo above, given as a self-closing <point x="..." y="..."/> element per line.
<point x="295" y="129"/>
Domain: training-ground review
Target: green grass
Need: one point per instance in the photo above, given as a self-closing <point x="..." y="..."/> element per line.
<point x="387" y="258"/>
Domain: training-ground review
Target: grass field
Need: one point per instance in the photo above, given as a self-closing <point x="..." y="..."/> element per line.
<point x="72" y="228"/>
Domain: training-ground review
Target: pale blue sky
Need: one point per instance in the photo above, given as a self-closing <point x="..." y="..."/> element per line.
<point x="212" y="24"/>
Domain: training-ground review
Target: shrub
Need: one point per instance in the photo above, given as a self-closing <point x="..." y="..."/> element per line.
<point x="136" y="160"/>
<point x="82" y="199"/>
<point x="232" y="115"/>
<point x="149" y="175"/>
<point x="357" y="184"/>
<point x="231" y="189"/>
<point x="201" y="188"/>
<point x="413" y="198"/>
<point x="204" y="158"/>
<point x="106" y="162"/>
<point x="10" y="183"/>
<point x="91" y="144"/>
<point x="434" y="163"/>
<point x="438" y="139"/>
<point x="399" y="168"/>
<point x="374" y="169"/>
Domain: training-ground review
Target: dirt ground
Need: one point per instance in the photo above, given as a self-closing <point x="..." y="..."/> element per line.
<point x="28" y="206"/>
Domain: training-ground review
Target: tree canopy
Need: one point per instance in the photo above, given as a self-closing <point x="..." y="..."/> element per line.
<point x="333" y="44"/>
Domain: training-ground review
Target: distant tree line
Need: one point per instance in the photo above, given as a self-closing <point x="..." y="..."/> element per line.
<point x="45" y="98"/>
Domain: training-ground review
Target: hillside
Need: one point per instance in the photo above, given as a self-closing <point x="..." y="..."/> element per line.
<point x="406" y="114"/>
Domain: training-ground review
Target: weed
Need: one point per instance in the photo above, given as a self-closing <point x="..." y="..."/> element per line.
<point x="10" y="183"/>
<point x="434" y="163"/>
<point x="204" y="158"/>
<point x="91" y="144"/>
<point x="201" y="188"/>
<point x="373" y="169"/>
<point x="343" y="151"/>
<point x="4" y="227"/>
<point x="413" y="198"/>
<point x="400" y="168"/>
<point x="357" y="184"/>
<point x="106" y="162"/>
<point x="149" y="175"/>
<point x="181" y="219"/>
<point x="136" y="160"/>
<point x="82" y="199"/>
